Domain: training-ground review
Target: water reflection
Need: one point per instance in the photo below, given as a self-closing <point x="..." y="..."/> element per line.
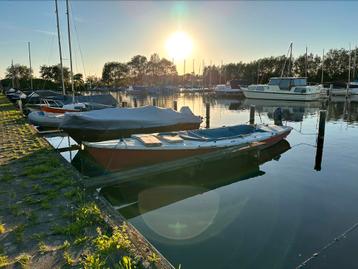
<point x="163" y="201"/>
<point x="214" y="217"/>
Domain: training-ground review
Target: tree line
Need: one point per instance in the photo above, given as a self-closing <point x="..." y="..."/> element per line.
<point x="157" y="71"/>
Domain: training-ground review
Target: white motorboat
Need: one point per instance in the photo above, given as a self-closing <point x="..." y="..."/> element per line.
<point x="224" y="89"/>
<point x="284" y="88"/>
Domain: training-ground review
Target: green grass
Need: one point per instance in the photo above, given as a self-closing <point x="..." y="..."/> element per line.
<point x="4" y="261"/>
<point x="19" y="233"/>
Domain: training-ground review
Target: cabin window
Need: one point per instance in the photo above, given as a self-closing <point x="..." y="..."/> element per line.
<point x="300" y="90"/>
<point x="274" y="81"/>
<point x="285" y="84"/>
<point x="260" y="88"/>
<point x="300" y="82"/>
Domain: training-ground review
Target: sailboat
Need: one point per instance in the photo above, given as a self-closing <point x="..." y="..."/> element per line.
<point x="284" y="88"/>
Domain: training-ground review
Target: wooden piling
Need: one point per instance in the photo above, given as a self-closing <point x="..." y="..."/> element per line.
<point x="330" y="92"/>
<point x="154" y="101"/>
<point x="252" y="114"/>
<point x="320" y="139"/>
<point x="175" y="105"/>
<point x="207" y="115"/>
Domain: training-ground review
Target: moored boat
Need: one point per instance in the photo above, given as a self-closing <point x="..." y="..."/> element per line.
<point x="223" y="89"/>
<point x="114" y="123"/>
<point x="155" y="148"/>
<point x="284" y="88"/>
<point x="45" y="120"/>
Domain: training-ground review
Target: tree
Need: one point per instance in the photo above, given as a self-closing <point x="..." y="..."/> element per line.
<point x="115" y="73"/>
<point x="78" y="80"/>
<point x="53" y="73"/>
<point x="137" y="66"/>
<point x="18" y="72"/>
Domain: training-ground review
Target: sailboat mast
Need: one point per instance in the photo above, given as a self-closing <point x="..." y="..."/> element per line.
<point x="354" y="63"/>
<point x="322" y="67"/>
<point x="70" y="48"/>
<point x="59" y="48"/>
<point x="306" y="63"/>
<point x="192" y="79"/>
<point x="349" y="70"/>
<point x="290" y="65"/>
<point x="12" y="74"/>
<point x="29" y="48"/>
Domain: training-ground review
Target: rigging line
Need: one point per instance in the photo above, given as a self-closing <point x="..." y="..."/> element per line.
<point x="303" y="144"/>
<point x="300" y="132"/>
<point x="78" y="42"/>
<point x="330" y="244"/>
<point x="48" y="57"/>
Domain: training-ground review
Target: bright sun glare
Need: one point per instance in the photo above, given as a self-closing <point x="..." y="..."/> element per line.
<point x="179" y="45"/>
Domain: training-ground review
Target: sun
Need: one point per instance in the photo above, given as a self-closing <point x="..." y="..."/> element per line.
<point x="179" y="45"/>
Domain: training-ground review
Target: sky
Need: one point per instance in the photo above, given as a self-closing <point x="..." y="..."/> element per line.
<point x="220" y="31"/>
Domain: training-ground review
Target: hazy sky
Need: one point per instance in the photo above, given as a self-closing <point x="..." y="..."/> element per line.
<point x="116" y="30"/>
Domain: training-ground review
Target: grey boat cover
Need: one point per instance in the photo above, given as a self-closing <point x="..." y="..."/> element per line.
<point x="127" y="118"/>
<point x="42" y="119"/>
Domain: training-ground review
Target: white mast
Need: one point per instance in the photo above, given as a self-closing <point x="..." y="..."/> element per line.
<point x="59" y="48"/>
<point x="70" y="49"/>
<point x="192" y="79"/>
<point x="29" y="48"/>
<point x="354" y="63"/>
<point x="322" y="67"/>
<point x="290" y="64"/>
<point x="349" y="70"/>
<point x="12" y="74"/>
<point x="306" y="64"/>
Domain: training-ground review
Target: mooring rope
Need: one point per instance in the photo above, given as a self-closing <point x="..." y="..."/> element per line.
<point x="300" y="132"/>
<point x="330" y="244"/>
<point x="303" y="144"/>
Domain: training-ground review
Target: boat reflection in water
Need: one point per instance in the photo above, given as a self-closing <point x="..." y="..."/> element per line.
<point x="165" y="202"/>
<point x="293" y="111"/>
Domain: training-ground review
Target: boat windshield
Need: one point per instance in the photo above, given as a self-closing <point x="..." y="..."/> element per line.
<point x="287" y="83"/>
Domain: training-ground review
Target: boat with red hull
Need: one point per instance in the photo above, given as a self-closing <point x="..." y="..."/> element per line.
<point x="141" y="150"/>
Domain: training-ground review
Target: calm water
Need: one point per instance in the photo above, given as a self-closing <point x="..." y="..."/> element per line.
<point x="274" y="211"/>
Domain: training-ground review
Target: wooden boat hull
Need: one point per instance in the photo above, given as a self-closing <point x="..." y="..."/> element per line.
<point x="80" y="135"/>
<point x="113" y="159"/>
<point x="58" y="110"/>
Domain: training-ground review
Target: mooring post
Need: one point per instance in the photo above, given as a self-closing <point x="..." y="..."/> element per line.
<point x="320" y="139"/>
<point x="252" y="114"/>
<point x="330" y="92"/>
<point x="135" y="102"/>
<point x="175" y="105"/>
<point x="124" y="104"/>
<point x="207" y="113"/>
<point x="154" y="101"/>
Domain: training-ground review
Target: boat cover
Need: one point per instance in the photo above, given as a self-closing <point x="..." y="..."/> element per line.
<point x="219" y="133"/>
<point x="104" y="99"/>
<point x="42" y="119"/>
<point x="128" y="118"/>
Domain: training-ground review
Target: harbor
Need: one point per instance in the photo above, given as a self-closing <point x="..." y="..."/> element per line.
<point x="134" y="135"/>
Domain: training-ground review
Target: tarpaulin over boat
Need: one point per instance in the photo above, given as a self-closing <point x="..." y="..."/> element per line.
<point x="136" y="119"/>
<point x="104" y="99"/>
<point x="128" y="118"/>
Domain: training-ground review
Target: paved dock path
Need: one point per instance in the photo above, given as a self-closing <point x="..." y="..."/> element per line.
<point x="46" y="218"/>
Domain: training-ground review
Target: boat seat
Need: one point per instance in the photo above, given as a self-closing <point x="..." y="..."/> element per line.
<point x="171" y="139"/>
<point x="148" y="140"/>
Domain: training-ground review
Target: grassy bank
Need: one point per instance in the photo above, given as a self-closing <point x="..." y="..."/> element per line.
<point x="47" y="220"/>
